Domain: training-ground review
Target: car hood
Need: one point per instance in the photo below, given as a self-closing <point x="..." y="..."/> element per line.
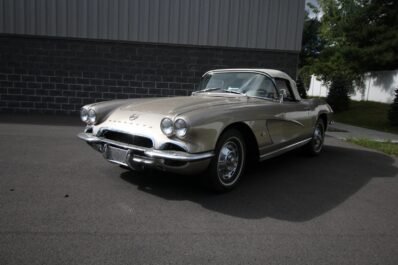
<point x="143" y="116"/>
<point x="172" y="106"/>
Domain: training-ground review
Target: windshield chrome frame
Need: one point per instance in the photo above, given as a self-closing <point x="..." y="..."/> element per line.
<point x="244" y="94"/>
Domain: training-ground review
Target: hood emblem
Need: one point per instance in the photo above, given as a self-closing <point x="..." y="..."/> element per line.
<point x="133" y="117"/>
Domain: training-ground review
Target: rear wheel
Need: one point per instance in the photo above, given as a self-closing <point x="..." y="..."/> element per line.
<point x="227" y="166"/>
<point x="314" y="147"/>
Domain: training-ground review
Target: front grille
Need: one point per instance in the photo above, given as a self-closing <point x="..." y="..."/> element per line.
<point x="127" y="138"/>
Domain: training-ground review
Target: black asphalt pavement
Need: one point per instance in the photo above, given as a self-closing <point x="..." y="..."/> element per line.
<point x="62" y="203"/>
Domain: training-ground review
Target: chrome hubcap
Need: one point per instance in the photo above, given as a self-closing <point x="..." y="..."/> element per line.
<point x="318" y="138"/>
<point x="229" y="160"/>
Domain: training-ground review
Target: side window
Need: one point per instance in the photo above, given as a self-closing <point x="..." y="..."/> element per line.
<point x="284" y="84"/>
<point x="261" y="86"/>
<point x="267" y="87"/>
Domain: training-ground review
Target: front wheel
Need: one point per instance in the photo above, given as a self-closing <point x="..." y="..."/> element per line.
<point x="314" y="147"/>
<point x="227" y="166"/>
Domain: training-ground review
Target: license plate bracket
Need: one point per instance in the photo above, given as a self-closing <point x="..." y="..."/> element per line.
<point x="116" y="155"/>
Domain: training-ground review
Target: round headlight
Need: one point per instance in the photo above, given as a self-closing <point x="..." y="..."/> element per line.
<point x="181" y="127"/>
<point x="167" y="127"/>
<point x="84" y="115"/>
<point x="92" y="116"/>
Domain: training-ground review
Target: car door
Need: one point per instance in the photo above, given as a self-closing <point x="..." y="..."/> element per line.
<point x="291" y="124"/>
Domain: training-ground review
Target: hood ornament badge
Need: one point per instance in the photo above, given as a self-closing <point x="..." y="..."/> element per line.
<point x="133" y="117"/>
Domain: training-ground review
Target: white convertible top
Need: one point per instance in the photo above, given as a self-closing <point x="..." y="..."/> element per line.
<point x="272" y="72"/>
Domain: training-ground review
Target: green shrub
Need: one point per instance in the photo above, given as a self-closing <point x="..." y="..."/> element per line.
<point x="338" y="97"/>
<point x="393" y="111"/>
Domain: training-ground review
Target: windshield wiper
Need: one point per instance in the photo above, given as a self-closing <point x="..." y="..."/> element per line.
<point x="209" y="89"/>
<point x="233" y="92"/>
<point x="219" y="88"/>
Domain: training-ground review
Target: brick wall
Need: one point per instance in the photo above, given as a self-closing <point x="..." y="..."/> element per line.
<point x="58" y="76"/>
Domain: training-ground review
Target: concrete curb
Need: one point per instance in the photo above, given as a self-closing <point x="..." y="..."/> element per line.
<point x="344" y="131"/>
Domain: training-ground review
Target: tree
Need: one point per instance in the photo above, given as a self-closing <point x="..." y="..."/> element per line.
<point x="371" y="31"/>
<point x="357" y="36"/>
<point x="332" y="64"/>
<point x="311" y="47"/>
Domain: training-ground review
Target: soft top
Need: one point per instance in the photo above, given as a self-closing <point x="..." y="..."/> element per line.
<point x="271" y="72"/>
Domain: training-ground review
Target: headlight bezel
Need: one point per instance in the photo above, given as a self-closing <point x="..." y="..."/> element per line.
<point x="180" y="127"/>
<point x="84" y="115"/>
<point x="174" y="127"/>
<point x="92" y="117"/>
<point x="167" y="126"/>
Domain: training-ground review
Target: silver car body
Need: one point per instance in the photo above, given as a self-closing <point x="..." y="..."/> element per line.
<point x="271" y="127"/>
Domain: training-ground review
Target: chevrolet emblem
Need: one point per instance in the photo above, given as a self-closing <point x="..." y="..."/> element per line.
<point x="133" y="117"/>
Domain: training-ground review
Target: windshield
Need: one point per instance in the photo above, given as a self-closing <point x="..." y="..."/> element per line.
<point x="250" y="84"/>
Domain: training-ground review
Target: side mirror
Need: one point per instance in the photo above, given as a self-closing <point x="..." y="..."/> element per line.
<point x="282" y="94"/>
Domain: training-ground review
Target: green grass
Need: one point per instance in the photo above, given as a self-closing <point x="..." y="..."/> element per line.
<point x="385" y="147"/>
<point x="367" y="114"/>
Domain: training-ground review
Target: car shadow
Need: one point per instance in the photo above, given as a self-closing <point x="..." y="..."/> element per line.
<point x="291" y="187"/>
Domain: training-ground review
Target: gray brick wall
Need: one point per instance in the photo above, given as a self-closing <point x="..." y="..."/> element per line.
<point x="58" y="76"/>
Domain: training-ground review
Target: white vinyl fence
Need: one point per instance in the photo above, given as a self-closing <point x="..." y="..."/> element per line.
<point x="378" y="86"/>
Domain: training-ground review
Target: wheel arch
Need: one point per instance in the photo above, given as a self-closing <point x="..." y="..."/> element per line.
<point x="249" y="137"/>
<point x="324" y="118"/>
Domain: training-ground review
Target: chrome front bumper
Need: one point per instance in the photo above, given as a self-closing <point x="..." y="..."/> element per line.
<point x="139" y="157"/>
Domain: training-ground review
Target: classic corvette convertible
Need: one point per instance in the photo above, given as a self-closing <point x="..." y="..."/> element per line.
<point x="233" y="116"/>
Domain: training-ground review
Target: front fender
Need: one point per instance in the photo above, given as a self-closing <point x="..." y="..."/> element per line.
<point x="104" y="108"/>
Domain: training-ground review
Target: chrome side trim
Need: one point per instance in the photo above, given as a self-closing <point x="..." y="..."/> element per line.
<point x="287" y="120"/>
<point x="284" y="149"/>
<point x="150" y="152"/>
